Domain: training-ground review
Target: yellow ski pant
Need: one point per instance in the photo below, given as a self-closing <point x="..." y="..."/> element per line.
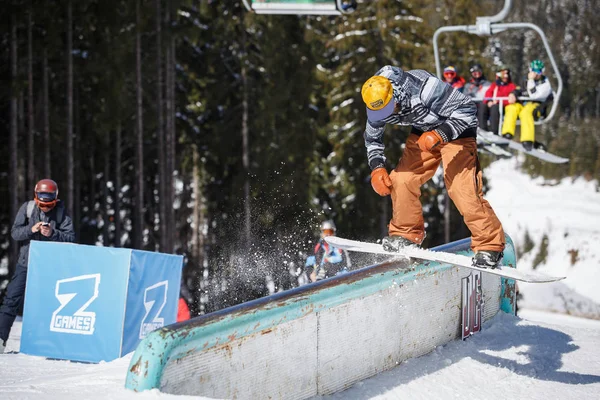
<point x="525" y="114"/>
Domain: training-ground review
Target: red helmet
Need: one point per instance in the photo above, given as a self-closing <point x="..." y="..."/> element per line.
<point x="46" y="194"/>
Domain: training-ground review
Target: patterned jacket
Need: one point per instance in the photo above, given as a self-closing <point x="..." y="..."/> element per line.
<point x="426" y="103"/>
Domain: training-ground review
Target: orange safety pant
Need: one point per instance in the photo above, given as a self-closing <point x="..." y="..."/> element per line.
<point x="463" y="179"/>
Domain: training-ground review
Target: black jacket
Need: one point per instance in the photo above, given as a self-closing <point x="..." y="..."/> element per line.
<point x="21" y="230"/>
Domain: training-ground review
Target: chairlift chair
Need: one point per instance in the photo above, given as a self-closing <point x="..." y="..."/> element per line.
<point x="301" y="7"/>
<point x="487" y="26"/>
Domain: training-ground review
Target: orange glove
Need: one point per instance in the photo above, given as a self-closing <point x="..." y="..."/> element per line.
<point x="381" y="182"/>
<point x="429" y="140"/>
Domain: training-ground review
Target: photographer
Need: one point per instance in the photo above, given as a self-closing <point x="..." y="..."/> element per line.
<point x="45" y="219"/>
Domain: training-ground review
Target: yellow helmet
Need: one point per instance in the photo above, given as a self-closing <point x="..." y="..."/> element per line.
<point x="377" y="93"/>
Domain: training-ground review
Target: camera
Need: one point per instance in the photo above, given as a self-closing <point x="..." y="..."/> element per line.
<point x="45" y="224"/>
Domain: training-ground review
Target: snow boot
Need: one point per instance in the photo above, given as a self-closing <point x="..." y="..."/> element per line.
<point x="539" y="146"/>
<point x="527" y="145"/>
<point x="396" y="243"/>
<point x="2" y="346"/>
<point x="487" y="259"/>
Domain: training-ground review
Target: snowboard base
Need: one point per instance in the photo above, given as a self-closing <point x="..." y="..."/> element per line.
<point x="490" y="138"/>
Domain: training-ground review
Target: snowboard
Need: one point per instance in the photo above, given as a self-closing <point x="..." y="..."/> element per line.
<point x="492" y="148"/>
<point x="441" y="257"/>
<point x="489" y="137"/>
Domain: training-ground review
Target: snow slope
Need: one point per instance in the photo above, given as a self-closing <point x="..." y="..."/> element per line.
<point x="510" y="359"/>
<point x="568" y="213"/>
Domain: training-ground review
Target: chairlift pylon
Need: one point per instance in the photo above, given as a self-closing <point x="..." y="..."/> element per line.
<point x="301" y="7"/>
<point x="487" y="26"/>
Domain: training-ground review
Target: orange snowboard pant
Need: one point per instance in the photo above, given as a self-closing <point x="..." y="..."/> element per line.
<point x="463" y="179"/>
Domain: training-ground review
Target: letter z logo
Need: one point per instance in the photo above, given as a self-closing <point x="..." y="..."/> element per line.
<point x="155" y="298"/>
<point x="75" y="296"/>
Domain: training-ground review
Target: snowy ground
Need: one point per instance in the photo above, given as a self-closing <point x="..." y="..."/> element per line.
<point x="29" y="377"/>
<point x="510" y="359"/>
<point x="568" y="214"/>
<point x="542" y="356"/>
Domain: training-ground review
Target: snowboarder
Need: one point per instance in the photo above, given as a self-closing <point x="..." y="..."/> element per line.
<point x="539" y="90"/>
<point x="43" y="218"/>
<point x="327" y="260"/>
<point x="444" y="130"/>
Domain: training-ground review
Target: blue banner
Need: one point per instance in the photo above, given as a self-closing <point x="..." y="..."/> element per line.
<point x="76" y="299"/>
<point x="154" y="284"/>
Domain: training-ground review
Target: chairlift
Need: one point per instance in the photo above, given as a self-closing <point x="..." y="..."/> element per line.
<point x="487" y="26"/>
<point x="301" y="7"/>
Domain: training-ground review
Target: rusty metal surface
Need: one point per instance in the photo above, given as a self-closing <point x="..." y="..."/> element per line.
<point x="400" y="267"/>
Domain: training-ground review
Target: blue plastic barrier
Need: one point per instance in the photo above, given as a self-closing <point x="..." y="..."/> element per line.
<point x="88" y="303"/>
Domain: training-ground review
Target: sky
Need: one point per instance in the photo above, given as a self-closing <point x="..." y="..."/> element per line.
<point x="543" y="353"/>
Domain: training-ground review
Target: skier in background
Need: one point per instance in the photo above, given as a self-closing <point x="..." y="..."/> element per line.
<point x="539" y="91"/>
<point x="452" y="78"/>
<point x="327" y="260"/>
<point x="45" y="219"/>
<point x="444" y="130"/>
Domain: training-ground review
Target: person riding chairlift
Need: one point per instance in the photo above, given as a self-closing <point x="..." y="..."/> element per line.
<point x="453" y="79"/>
<point x="495" y="98"/>
<point x="539" y="91"/>
<point x="476" y="88"/>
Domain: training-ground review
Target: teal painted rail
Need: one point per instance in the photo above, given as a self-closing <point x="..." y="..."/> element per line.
<point x="315" y="339"/>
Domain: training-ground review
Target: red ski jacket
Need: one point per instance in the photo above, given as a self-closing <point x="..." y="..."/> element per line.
<point x="496" y="91"/>
<point x="183" y="311"/>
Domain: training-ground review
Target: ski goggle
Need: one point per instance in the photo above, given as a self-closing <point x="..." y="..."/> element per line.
<point x="46" y="197"/>
<point x="537" y="71"/>
<point x="449" y="74"/>
<point x="329" y="232"/>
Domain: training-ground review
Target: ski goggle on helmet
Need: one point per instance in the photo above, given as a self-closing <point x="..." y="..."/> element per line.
<point x="537" y="66"/>
<point x="450" y="72"/>
<point x="46" y="194"/>
<point x="503" y="72"/>
<point x="476" y="68"/>
<point x="328" y="227"/>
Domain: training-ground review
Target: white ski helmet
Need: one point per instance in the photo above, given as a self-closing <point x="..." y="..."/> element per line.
<point x="328" y="225"/>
